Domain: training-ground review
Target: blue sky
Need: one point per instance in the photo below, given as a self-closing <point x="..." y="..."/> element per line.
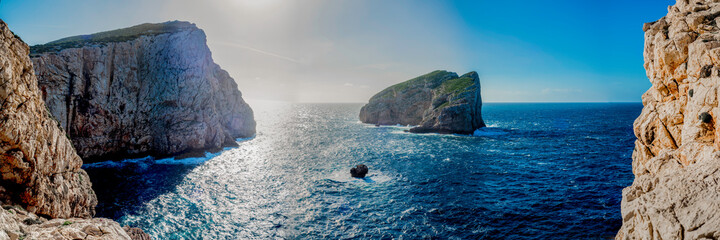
<point x="345" y="51"/>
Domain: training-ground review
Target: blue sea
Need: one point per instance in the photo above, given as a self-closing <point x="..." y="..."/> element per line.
<point x="538" y="171"/>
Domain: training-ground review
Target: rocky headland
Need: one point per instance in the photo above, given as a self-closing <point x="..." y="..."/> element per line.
<point x="151" y="89"/>
<point x="44" y="192"/>
<point x="676" y="191"/>
<point x="437" y="102"/>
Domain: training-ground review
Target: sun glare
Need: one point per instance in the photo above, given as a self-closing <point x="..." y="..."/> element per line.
<point x="256" y="4"/>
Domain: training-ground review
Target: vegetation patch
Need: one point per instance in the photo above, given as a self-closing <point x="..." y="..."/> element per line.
<point x="432" y="77"/>
<point x="456" y="85"/>
<point x="120" y="35"/>
<point x="67" y="223"/>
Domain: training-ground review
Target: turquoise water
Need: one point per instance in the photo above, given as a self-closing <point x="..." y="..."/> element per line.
<point x="539" y="171"/>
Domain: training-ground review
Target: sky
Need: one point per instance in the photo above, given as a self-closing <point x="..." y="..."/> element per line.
<point x="348" y="50"/>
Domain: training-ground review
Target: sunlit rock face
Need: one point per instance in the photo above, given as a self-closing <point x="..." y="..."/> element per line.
<point x="16" y="223"/>
<point x="39" y="169"/>
<point x="440" y="102"/>
<point x="676" y="162"/>
<point x="151" y="89"/>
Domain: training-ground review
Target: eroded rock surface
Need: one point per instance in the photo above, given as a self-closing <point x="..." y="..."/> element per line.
<point x="440" y="102"/>
<point x="16" y="223"/>
<point x="152" y="89"/>
<point x="676" y="162"/>
<point x="40" y="174"/>
<point x="39" y="168"/>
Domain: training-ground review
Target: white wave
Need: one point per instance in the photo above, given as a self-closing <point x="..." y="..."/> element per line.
<point x="246" y="139"/>
<point x="151" y="160"/>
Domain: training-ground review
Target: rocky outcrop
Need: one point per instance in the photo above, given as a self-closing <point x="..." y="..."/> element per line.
<point x="440" y="102"/>
<point x="39" y="168"/>
<point x="16" y="223"/>
<point x="676" y="161"/>
<point x="40" y="174"/>
<point x="359" y="171"/>
<point x="151" y="89"/>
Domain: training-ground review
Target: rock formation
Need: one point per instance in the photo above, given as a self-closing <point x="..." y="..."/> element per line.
<point x="151" y="89"/>
<point x="16" y="223"/>
<point x="676" y="161"/>
<point x="439" y="102"/>
<point x="359" y="171"/>
<point x="39" y="169"/>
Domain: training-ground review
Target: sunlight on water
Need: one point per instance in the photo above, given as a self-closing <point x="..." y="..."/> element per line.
<point x="522" y="177"/>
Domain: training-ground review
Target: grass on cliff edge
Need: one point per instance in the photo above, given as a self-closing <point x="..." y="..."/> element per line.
<point x="433" y="76"/>
<point x="119" y="35"/>
<point x="454" y="85"/>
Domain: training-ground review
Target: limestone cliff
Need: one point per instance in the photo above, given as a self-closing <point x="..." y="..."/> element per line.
<point x="148" y="89"/>
<point x="440" y="102"/>
<point x="39" y="168"/>
<point x="676" y="162"/>
<point x="16" y="223"/>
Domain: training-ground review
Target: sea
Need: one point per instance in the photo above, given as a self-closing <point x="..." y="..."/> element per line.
<point x="537" y="171"/>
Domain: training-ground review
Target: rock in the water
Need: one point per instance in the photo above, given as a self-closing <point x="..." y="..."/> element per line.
<point x="676" y="191"/>
<point x="438" y="102"/>
<point x="149" y="89"/>
<point x="39" y="169"/>
<point x="359" y="171"/>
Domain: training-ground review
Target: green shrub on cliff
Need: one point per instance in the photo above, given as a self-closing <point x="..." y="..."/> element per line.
<point x="456" y="85"/>
<point x="120" y="35"/>
<point x="431" y="79"/>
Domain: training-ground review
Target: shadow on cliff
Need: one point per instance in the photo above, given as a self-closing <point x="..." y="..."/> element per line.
<point x="125" y="187"/>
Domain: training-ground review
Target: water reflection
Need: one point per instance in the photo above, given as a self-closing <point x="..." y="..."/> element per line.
<point x="292" y="180"/>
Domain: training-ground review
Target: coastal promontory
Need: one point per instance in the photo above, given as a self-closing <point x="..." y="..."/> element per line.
<point x="437" y="102"/>
<point x="150" y="89"/>
<point x="676" y="191"/>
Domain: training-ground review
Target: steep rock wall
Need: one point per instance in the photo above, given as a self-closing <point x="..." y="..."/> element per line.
<point x="149" y="89"/>
<point x="676" y="162"/>
<point x="39" y="168"/>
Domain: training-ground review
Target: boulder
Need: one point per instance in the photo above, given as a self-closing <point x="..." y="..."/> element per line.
<point x="359" y="171"/>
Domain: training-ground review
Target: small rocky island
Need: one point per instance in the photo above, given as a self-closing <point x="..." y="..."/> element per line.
<point x="437" y="102"/>
<point x="150" y="89"/>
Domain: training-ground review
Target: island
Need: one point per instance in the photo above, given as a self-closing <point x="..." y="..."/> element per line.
<point x="437" y="102"/>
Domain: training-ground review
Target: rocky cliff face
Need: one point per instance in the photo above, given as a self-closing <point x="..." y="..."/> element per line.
<point x="16" y="223"/>
<point x="440" y="102"/>
<point x="149" y="89"/>
<point x="676" y="162"/>
<point x="39" y="168"/>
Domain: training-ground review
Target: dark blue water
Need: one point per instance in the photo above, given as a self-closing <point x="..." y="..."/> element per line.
<point x="540" y="171"/>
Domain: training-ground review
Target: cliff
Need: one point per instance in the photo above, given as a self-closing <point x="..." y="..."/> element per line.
<point x="39" y="169"/>
<point x="440" y="102"/>
<point x="151" y="89"/>
<point x="676" y="191"/>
